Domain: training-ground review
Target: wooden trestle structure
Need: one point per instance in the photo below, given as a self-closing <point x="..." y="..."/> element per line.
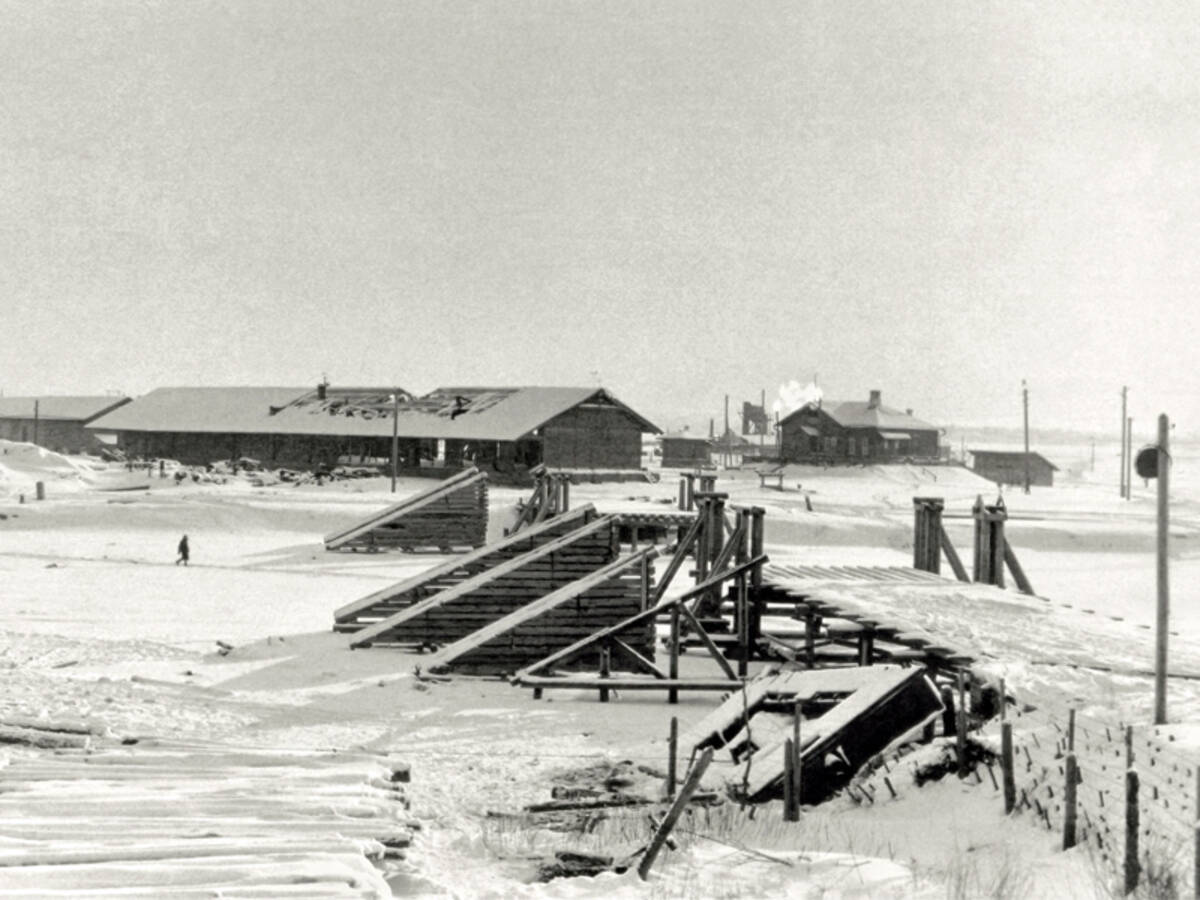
<point x="516" y="600"/>
<point x="551" y="496"/>
<point x="452" y="514"/>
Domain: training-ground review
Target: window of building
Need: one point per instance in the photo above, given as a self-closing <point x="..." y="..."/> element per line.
<point x="851" y="446"/>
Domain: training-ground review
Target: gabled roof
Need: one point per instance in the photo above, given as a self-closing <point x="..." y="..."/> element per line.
<point x="1009" y="456"/>
<point x="232" y="410"/>
<point x="61" y="408"/>
<point x="452" y="413"/>
<point x="466" y="413"/>
<point x="861" y="414"/>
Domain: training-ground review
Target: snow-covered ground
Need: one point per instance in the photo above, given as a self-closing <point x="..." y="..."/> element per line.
<point x="97" y="622"/>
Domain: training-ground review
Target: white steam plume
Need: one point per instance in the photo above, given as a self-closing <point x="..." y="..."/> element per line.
<point x="793" y="395"/>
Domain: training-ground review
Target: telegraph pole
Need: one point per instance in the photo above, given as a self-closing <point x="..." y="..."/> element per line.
<point x="1124" y="392"/>
<point x="1129" y="458"/>
<point x="1164" y="601"/>
<point x="1025" y="398"/>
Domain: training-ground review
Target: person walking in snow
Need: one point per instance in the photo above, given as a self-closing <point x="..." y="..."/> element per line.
<point x="183" y="551"/>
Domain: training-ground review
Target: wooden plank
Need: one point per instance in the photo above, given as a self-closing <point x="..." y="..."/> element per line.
<point x="591" y="683"/>
<point x="722" y="576"/>
<point x="447" y="655"/>
<point x="465" y="588"/>
<point x="408" y="505"/>
<point x="477" y="558"/>
<point x="708" y="643"/>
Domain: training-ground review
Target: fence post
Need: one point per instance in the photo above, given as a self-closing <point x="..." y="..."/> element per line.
<point x="673" y="671"/>
<point x="672" y="755"/>
<point x="1132" y="866"/>
<point x="1069" y="798"/>
<point x="798" y="760"/>
<point x="605" y="669"/>
<point x="789" y="782"/>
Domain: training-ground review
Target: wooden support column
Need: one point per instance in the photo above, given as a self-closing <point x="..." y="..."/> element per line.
<point x="927" y="533"/>
<point x="989" y="543"/>
<point x="605" y="670"/>
<point x="673" y="670"/>
<point x="743" y="621"/>
<point x="811" y="623"/>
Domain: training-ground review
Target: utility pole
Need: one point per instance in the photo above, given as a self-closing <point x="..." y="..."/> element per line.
<point x="1124" y="392"/>
<point x="395" y="435"/>
<point x="1025" y="398"/>
<point x="1164" y="602"/>
<point x="762" y="435"/>
<point x="1129" y="458"/>
<point x="727" y="451"/>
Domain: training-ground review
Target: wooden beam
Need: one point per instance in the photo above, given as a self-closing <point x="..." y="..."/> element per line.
<point x="637" y="658"/>
<point x="708" y="643"/>
<point x="681" y="800"/>
<point x="467" y="586"/>
<point x="454" y="483"/>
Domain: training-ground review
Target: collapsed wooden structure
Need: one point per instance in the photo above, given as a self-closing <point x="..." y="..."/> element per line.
<point x="452" y="514"/>
<point x="176" y="819"/>
<point x="516" y="600"/>
<point x="551" y="495"/>
<point x="841" y="718"/>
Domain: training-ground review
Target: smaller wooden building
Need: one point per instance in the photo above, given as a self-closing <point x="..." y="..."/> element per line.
<point x="56" y="423"/>
<point x="684" y="450"/>
<point x="1008" y="467"/>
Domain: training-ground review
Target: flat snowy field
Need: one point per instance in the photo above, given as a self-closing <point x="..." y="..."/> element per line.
<point x="97" y="622"/>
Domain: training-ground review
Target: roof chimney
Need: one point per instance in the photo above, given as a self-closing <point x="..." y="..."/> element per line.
<point x="875" y="401"/>
<point x="321" y="390"/>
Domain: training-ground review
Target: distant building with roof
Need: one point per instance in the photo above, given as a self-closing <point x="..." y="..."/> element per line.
<point x="1008" y="467"/>
<point x="506" y="429"/>
<point x="855" y="431"/>
<point x="686" y="450"/>
<point x="56" y="423"/>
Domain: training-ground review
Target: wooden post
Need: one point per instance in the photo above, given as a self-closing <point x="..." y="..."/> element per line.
<point x="40" y="490"/>
<point x="1132" y="814"/>
<point x="673" y="814"/>
<point x="395" y="435"/>
<point x="682" y="493"/>
<point x="977" y="512"/>
<point x="810" y="637"/>
<point x="949" y="725"/>
<point x="673" y="670"/>
<point x="743" y="616"/>
<point x="1070" y="810"/>
<point x="790" y="810"/>
<point x="37" y="421"/>
<point x="644" y="583"/>
<point x="1006" y="761"/>
<point x="672" y="756"/>
<point x="798" y="760"/>
<point x="566" y="493"/>
<point x="605" y="670"/>
<point x="960" y="730"/>
<point x="927" y="533"/>
<point x="1163" y="609"/>
<point x="1014" y="566"/>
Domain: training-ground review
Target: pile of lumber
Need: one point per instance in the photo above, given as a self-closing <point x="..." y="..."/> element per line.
<point x="451" y="515"/>
<point x="171" y="819"/>
<point x="377" y="606"/>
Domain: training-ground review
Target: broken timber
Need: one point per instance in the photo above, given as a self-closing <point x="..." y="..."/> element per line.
<point x="383" y="603"/>
<point x="452" y="513"/>
<point x="849" y="715"/>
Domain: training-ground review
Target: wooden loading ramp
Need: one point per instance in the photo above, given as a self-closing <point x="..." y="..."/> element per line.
<point x="380" y="604"/>
<point x="451" y="513"/>
<point x="559" y="619"/>
<point x="458" y="610"/>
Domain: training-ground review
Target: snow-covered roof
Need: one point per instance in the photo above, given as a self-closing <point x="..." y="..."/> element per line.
<point x="74" y="408"/>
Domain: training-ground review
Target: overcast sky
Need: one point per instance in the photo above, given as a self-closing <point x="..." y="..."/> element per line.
<point x="674" y="199"/>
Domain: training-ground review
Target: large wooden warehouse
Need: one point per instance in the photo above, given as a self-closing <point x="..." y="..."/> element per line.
<point x="56" y="423"/>
<point x="504" y="429"/>
<point x="854" y="431"/>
